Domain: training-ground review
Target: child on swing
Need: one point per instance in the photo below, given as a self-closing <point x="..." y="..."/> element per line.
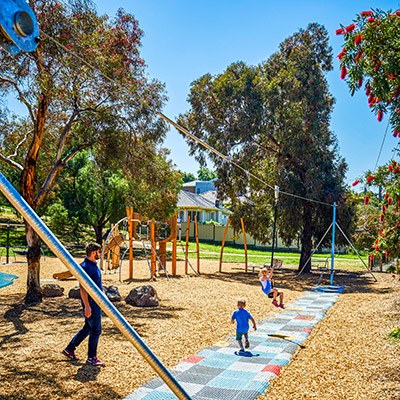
<point x="266" y="280"/>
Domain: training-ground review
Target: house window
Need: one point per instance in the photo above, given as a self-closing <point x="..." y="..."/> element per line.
<point x="181" y="216"/>
<point x="192" y="214"/>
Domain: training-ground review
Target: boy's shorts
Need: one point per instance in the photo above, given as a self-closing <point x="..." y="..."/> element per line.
<point x="239" y="335"/>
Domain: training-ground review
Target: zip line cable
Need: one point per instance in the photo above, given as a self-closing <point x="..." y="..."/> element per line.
<point x="383" y="142"/>
<point x="179" y="127"/>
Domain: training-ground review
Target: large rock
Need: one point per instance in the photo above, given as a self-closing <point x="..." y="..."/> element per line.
<point x="52" y="290"/>
<point x="142" y="296"/>
<point x="112" y="293"/>
<point x="74" y="293"/>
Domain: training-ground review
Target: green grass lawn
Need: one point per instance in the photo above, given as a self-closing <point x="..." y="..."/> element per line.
<point x="259" y="257"/>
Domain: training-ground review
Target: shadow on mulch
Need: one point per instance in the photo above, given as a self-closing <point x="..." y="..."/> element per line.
<point x="361" y="282"/>
<point x="20" y="314"/>
<point x="86" y="373"/>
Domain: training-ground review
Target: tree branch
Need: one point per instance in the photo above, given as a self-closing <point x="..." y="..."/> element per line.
<point x="55" y="171"/>
<point x="20" y="95"/>
<point x="19" y="145"/>
<point x="12" y="163"/>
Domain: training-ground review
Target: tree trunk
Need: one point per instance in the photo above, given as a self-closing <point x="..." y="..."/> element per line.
<point x="34" y="292"/>
<point x="306" y="241"/>
<point x="28" y="191"/>
<point x="98" y="229"/>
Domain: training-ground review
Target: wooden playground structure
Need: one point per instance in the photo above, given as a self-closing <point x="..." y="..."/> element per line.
<point x="137" y="232"/>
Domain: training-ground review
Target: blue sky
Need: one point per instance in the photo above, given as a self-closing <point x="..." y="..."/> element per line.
<point x="184" y="39"/>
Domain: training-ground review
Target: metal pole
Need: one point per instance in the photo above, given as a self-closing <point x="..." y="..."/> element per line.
<point x="333" y="242"/>
<point x="8" y="244"/>
<point x="274" y="228"/>
<point x="99" y="297"/>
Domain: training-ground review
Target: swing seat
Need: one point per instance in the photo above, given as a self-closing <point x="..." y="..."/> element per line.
<point x="277" y="264"/>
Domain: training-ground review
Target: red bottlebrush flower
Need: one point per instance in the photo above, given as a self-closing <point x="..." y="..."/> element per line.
<point x="386" y="254"/>
<point x="390" y="200"/>
<point x="381" y="217"/>
<point x="372" y="256"/>
<point x="366" y="13"/>
<point x="350" y="28"/>
<point x="371" y="99"/>
<point x="377" y="248"/>
<point x="392" y="77"/>
<point x="398" y="202"/>
<point x="390" y="167"/>
<point x="343" y="72"/>
<point x="358" y="40"/>
<point x="371" y="19"/>
<point x="380" y="232"/>
<point x="398" y="13"/>
<point x="394" y="135"/>
<point x="368" y="90"/>
<point x="360" y="82"/>
<point x="396" y="171"/>
<point x="380" y="115"/>
<point x="386" y="196"/>
<point x="355" y="182"/>
<point x="340" y="31"/>
<point x="370" y="178"/>
<point x="366" y="200"/>
<point x="342" y="53"/>
<point x="383" y="209"/>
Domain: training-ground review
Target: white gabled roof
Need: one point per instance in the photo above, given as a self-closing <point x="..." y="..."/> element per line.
<point x="191" y="200"/>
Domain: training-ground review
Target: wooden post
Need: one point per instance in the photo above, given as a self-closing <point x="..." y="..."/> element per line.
<point x="187" y="244"/>
<point x="196" y="228"/>
<point x="174" y="243"/>
<point x="162" y="247"/>
<point x="129" y="213"/>
<point x="223" y="244"/>
<point x="153" y="256"/>
<point x="244" y="245"/>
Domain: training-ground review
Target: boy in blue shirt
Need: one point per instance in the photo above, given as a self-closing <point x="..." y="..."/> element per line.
<point x="242" y="317"/>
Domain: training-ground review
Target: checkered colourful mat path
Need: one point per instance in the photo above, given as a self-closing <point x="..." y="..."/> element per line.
<point x="219" y="372"/>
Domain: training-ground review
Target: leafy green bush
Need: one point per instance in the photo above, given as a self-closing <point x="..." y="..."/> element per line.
<point x="395" y="333"/>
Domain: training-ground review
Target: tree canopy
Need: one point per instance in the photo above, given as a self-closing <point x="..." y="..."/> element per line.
<point x="370" y="61"/>
<point x="273" y="120"/>
<point x="71" y="105"/>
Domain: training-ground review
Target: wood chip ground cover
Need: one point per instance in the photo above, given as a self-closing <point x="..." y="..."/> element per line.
<point x="347" y="356"/>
